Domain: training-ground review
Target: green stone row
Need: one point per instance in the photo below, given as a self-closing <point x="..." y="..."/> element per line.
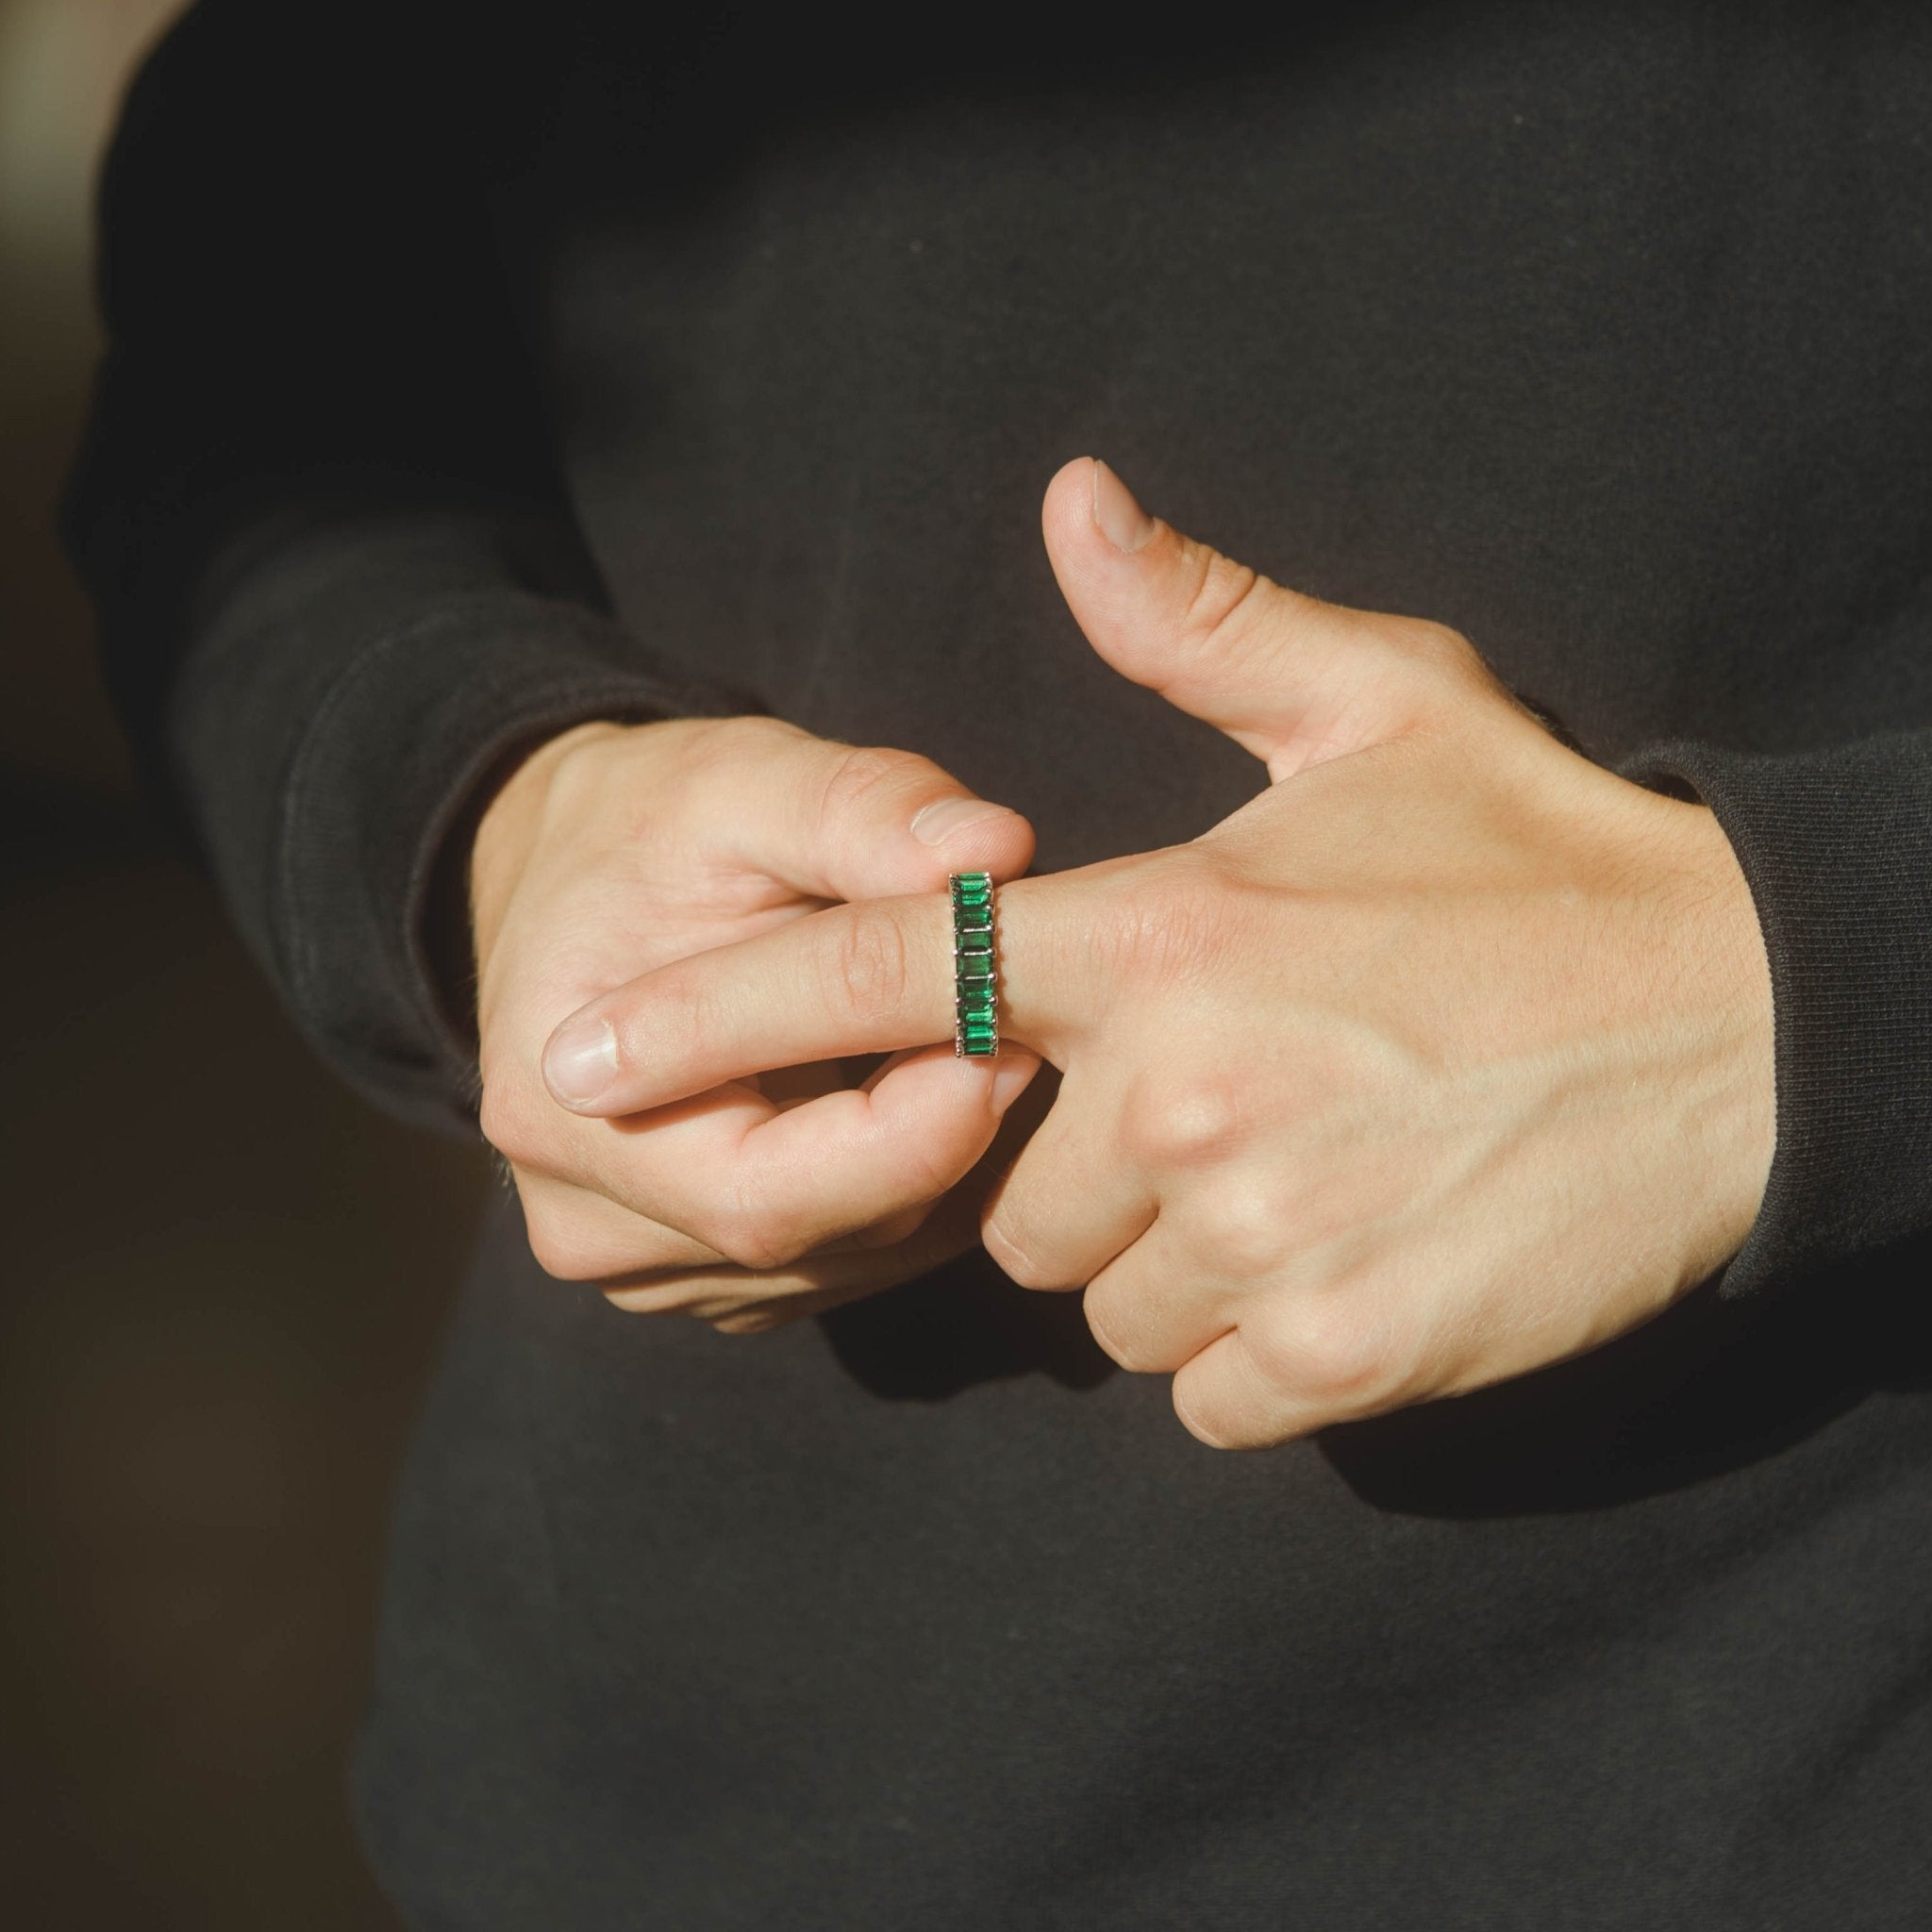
<point x="977" y="1032"/>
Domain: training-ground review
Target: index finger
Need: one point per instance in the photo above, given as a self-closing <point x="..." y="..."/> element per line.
<point x="869" y="977"/>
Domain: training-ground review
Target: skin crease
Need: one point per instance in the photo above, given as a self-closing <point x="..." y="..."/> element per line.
<point x="614" y="849"/>
<point x="1446" y="1057"/>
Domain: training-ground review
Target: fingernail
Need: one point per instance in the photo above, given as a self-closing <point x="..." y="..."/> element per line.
<point x="1009" y="1081"/>
<point x="938" y="820"/>
<point x="581" y="1062"/>
<point x="1122" y="521"/>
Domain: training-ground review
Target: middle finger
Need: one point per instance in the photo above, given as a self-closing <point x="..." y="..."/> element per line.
<point x="762" y="1184"/>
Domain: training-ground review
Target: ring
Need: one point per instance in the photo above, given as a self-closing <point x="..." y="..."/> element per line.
<point x="975" y="1005"/>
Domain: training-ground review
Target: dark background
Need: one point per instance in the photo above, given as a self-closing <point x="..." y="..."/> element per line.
<point x="224" y="1275"/>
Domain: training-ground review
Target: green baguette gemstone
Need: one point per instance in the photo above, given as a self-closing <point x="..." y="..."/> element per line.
<point x="976" y="1018"/>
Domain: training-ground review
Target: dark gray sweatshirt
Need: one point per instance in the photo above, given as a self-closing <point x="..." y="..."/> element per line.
<point x="478" y="371"/>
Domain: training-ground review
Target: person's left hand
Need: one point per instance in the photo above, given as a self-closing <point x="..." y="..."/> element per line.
<point x="1446" y="1057"/>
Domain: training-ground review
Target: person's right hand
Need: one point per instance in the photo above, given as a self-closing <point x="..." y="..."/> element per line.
<point x="615" y="849"/>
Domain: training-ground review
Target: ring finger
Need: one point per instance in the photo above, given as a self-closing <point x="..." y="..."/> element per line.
<point x="760" y="1184"/>
<point x="580" y="1236"/>
<point x="1069" y="1203"/>
<point x="1152" y="1309"/>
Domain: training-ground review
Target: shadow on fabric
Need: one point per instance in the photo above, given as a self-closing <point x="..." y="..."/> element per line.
<point x="1709" y="1387"/>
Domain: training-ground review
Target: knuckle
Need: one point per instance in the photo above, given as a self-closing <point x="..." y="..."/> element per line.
<point x="869" y="967"/>
<point x="660" y="1030"/>
<point x="1168" y="927"/>
<point x="751" y="1238"/>
<point x="724" y="746"/>
<point x="1192" y="1121"/>
<point x="1329" y="1352"/>
<point x="751" y="732"/>
<point x="561" y="1249"/>
<point x="857" y="776"/>
<point x="1246" y="1229"/>
<point x="926" y="1173"/>
<point x="585" y="771"/>
<point x="505" y="1119"/>
<point x="1008" y="1246"/>
<point x="1222" y="596"/>
<point x="1436" y="656"/>
<point x="1438" y="643"/>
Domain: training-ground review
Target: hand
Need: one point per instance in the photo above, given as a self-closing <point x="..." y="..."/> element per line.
<point x="612" y="850"/>
<point x="1447" y="1056"/>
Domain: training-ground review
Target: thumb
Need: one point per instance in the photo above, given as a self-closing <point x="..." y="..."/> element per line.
<point x="1289" y="677"/>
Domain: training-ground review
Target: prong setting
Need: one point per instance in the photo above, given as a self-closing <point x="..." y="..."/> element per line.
<point x="975" y="996"/>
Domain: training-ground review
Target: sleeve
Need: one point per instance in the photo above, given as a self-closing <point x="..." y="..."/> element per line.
<point x="1836" y="844"/>
<point x="337" y="577"/>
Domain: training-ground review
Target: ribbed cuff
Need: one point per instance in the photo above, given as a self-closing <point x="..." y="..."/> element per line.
<point x="1837" y="848"/>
